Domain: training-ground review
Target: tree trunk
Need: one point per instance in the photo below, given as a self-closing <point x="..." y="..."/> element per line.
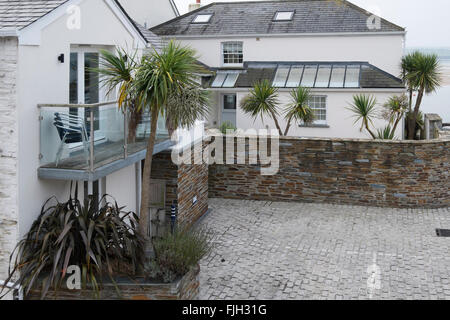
<point x="169" y="126"/>
<point x="288" y="126"/>
<point x="413" y="116"/>
<point x="366" y="124"/>
<point x="276" y="123"/>
<point x="135" y="118"/>
<point x="145" y="195"/>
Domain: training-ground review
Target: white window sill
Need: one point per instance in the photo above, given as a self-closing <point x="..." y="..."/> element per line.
<point x="315" y="125"/>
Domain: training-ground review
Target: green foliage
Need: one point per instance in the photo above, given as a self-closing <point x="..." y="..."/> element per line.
<point x="364" y="110"/>
<point x="387" y="133"/>
<point x="178" y="252"/>
<point x="118" y="71"/>
<point x="227" y="126"/>
<point x="421" y="71"/>
<point x="161" y="74"/>
<point x="184" y="107"/>
<point x="100" y="239"/>
<point x="298" y="110"/>
<point x="262" y="100"/>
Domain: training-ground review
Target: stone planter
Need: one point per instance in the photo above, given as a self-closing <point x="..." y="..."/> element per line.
<point x="185" y="288"/>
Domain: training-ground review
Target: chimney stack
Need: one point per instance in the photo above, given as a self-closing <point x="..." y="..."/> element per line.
<point x="195" y="6"/>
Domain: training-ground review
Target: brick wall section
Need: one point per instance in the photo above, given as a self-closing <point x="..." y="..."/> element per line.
<point x="164" y="169"/>
<point x="183" y="183"/>
<point x="355" y="172"/>
<point x="8" y="151"/>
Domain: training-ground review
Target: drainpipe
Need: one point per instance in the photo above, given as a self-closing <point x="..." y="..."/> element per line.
<point x="173" y="216"/>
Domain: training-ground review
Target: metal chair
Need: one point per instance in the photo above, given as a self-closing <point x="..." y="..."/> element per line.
<point x="71" y="129"/>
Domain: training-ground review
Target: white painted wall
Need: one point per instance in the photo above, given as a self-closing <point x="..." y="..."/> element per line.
<point x="122" y="186"/>
<point x="149" y="12"/>
<point x="43" y="79"/>
<point x="8" y="151"/>
<point x="339" y="119"/>
<point x="383" y="51"/>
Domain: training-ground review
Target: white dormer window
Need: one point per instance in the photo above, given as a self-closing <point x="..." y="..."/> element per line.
<point x="284" y="16"/>
<point x="202" y="18"/>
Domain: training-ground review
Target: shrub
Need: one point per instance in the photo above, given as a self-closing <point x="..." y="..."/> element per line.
<point x="100" y="239"/>
<point x="227" y="126"/>
<point x="176" y="253"/>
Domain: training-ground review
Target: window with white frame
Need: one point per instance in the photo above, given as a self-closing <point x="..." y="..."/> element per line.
<point x="319" y="106"/>
<point x="232" y="53"/>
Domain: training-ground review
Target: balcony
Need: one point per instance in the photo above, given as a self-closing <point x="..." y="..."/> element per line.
<point x="88" y="142"/>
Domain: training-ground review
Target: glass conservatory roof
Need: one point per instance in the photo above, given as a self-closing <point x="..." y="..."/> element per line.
<point x="318" y="75"/>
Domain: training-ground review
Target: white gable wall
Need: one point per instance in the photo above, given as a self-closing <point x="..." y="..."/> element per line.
<point x="43" y="79"/>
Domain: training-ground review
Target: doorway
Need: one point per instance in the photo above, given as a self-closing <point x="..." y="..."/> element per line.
<point x="229" y="106"/>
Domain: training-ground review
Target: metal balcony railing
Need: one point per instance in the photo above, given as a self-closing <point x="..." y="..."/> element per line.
<point x="88" y="136"/>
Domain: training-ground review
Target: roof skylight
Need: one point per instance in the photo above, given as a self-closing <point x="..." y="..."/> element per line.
<point x="322" y="75"/>
<point x="225" y="80"/>
<point x="202" y="18"/>
<point x="283" y="16"/>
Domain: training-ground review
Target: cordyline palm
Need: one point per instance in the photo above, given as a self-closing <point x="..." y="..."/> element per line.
<point x="298" y="110"/>
<point x="158" y="77"/>
<point x="394" y="110"/>
<point x="117" y="71"/>
<point x="262" y="101"/>
<point x="422" y="73"/>
<point x="184" y="107"/>
<point x="364" y="108"/>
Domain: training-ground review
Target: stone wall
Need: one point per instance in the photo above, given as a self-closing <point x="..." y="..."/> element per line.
<point x="356" y="172"/>
<point x="186" y="288"/>
<point x="8" y="151"/>
<point x="184" y="183"/>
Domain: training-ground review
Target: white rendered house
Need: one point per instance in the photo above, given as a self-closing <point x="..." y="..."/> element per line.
<point x="47" y="90"/>
<point x="334" y="47"/>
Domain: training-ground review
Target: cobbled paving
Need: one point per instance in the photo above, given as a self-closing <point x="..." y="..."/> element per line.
<point x="268" y="250"/>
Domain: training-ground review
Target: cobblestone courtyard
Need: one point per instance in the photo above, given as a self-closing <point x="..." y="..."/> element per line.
<point x="267" y="250"/>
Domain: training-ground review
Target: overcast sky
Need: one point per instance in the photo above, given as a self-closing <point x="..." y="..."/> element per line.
<point x="427" y="22"/>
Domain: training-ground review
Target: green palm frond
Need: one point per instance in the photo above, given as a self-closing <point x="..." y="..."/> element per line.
<point x="387" y="133"/>
<point x="117" y="72"/>
<point x="299" y="109"/>
<point x="162" y="73"/>
<point x="262" y="100"/>
<point x="364" y="110"/>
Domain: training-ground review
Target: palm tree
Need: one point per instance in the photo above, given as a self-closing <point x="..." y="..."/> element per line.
<point x="364" y="109"/>
<point x="422" y="73"/>
<point x="387" y="133"/>
<point x="159" y="77"/>
<point x="184" y="107"/>
<point x="394" y="110"/>
<point x="117" y="71"/>
<point x="298" y="110"/>
<point x="262" y="101"/>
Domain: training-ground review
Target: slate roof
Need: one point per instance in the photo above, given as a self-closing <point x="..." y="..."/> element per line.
<point x="371" y="77"/>
<point x="311" y="16"/>
<point x="17" y="14"/>
<point x="149" y="36"/>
